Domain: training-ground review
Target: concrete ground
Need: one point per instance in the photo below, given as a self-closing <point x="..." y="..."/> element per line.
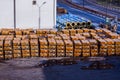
<point x="23" y="69"/>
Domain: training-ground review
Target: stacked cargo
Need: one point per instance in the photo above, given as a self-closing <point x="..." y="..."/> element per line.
<point x="18" y="32"/>
<point x="97" y="37"/>
<point x="86" y="30"/>
<point x="50" y="36"/>
<point x="66" y="32"/>
<point x="93" y="47"/>
<point x="25" y="48"/>
<point x="8" y="49"/>
<point x="92" y="31"/>
<point x="33" y="36"/>
<point x="53" y="31"/>
<point x="93" y="35"/>
<point x="52" y="47"/>
<point x="39" y="32"/>
<point x="85" y="48"/>
<point x="78" y="31"/>
<point x="113" y="35"/>
<point x="34" y="47"/>
<point x="65" y="37"/>
<point x="60" y="48"/>
<point x="117" y="46"/>
<point x="110" y="47"/>
<point x="99" y="30"/>
<point x="102" y="47"/>
<point x="110" y="34"/>
<point x="74" y="38"/>
<point x="68" y="48"/>
<point x="58" y="38"/>
<point x="17" y="53"/>
<point x="87" y="35"/>
<point x="77" y="48"/>
<point x="80" y="37"/>
<point x="43" y="47"/>
<point x="1" y="50"/>
<point x="72" y="32"/>
<point x="7" y="32"/>
<point x="45" y="32"/>
<point x="27" y="31"/>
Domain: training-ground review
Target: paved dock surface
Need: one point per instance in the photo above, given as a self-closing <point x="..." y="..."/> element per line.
<point x="23" y="69"/>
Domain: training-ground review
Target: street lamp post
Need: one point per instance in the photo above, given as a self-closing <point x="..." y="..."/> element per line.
<point x="39" y="7"/>
<point x="14" y="4"/>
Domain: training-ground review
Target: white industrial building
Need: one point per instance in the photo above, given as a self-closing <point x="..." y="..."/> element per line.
<point x="27" y="14"/>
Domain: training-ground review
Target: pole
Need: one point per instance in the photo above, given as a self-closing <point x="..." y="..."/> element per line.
<point x="39" y="23"/>
<point x="14" y="3"/>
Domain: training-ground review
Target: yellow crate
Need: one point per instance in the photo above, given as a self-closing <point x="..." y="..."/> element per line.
<point x="85" y="54"/>
<point x="69" y="54"/>
<point x="52" y="55"/>
<point x="17" y="55"/>
<point x="43" y="47"/>
<point x="43" y="51"/>
<point x="43" y="54"/>
<point x="25" y="55"/>
<point x="61" y="54"/>
<point x="8" y="56"/>
<point x="79" y="30"/>
<point x="94" y="54"/>
<point x="77" y="54"/>
<point x="34" y="54"/>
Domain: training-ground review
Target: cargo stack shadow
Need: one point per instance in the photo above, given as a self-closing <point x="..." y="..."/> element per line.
<point x="48" y="67"/>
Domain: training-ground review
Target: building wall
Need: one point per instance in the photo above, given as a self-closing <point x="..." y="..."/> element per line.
<point x="27" y="15"/>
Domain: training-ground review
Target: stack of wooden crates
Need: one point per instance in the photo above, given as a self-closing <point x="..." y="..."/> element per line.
<point x="17" y="48"/>
<point x="85" y="48"/>
<point x="52" y="47"/>
<point x="25" y="48"/>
